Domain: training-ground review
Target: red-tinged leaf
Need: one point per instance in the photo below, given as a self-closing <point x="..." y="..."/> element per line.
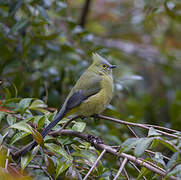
<point x="50" y="165"/>
<point x="38" y="137"/>
<point x="5" y="110"/>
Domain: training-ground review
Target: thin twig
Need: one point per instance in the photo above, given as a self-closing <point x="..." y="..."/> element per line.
<point x="30" y="166"/>
<point x="137" y="169"/>
<point x="129" y="127"/>
<point x="19" y="152"/>
<point x="152" y="152"/>
<point x="7" y="160"/>
<point x="136" y="124"/>
<point x="94" y="165"/>
<point x="147" y="150"/>
<point x="164" y="128"/>
<point x="168" y="142"/>
<point x="4" y="136"/>
<point x="151" y="166"/>
<point x="69" y="121"/>
<point x="44" y="170"/>
<point x="84" y="169"/>
<point x="126" y="174"/>
<point x="84" y="13"/>
<point x="121" y="168"/>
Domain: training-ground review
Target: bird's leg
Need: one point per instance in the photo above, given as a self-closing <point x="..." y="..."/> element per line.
<point x="95" y="116"/>
<point x="94" y="140"/>
<point x="83" y="117"/>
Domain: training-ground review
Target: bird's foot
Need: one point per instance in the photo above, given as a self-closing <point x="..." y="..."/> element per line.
<point x="94" y="140"/>
<point x="95" y="116"/>
<point x="83" y="117"/>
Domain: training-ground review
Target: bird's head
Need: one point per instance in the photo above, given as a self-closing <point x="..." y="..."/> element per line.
<point x="101" y="65"/>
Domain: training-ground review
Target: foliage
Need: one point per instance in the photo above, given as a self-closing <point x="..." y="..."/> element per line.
<point x="44" y="51"/>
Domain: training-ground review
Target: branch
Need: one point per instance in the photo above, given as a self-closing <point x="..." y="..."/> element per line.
<point x="110" y="150"/>
<point x="137" y="169"/>
<point x="145" y="126"/>
<point x="44" y="170"/>
<point x="7" y="160"/>
<point x="95" y="163"/>
<point x="85" y="10"/>
<point x="19" y="152"/>
<point x="121" y="168"/>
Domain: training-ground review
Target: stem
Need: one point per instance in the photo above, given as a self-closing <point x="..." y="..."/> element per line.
<point x="121" y="168"/>
<point x="95" y="163"/>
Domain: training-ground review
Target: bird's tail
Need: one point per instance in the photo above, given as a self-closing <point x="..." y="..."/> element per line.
<point x="58" y="117"/>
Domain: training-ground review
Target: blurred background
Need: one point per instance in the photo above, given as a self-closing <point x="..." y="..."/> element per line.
<point x="45" y="45"/>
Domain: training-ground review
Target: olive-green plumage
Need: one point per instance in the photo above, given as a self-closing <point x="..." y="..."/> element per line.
<point x="90" y="95"/>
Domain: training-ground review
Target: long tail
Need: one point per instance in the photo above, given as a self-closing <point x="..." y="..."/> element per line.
<point x="58" y="117"/>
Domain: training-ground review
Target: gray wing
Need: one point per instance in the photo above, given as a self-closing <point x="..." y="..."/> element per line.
<point x="82" y="91"/>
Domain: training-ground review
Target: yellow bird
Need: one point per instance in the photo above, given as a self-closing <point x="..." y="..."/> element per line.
<point x="90" y="95"/>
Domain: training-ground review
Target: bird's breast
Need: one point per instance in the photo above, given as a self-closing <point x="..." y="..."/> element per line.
<point x="98" y="102"/>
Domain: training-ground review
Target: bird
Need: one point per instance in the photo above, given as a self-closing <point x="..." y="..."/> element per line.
<point x="90" y="95"/>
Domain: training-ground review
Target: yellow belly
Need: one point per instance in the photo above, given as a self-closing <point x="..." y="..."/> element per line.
<point x="98" y="102"/>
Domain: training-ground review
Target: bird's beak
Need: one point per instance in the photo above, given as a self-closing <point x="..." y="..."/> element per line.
<point x="113" y="66"/>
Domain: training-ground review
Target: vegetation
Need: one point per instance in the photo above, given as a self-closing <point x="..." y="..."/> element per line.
<point x="45" y="46"/>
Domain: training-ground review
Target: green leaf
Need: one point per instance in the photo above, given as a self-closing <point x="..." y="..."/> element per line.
<point x="72" y="173"/>
<point x="22" y="126"/>
<point x="65" y="140"/>
<point x="176" y="171"/>
<point x="142" y="145"/>
<point x="175" y="111"/>
<point x="15" y="6"/>
<point x="25" y="160"/>
<point x="128" y="144"/>
<point x="36" y="104"/>
<point x="52" y="116"/>
<point x="62" y="166"/>
<point x="2" y="115"/>
<point x="11" y="119"/>
<point x="162" y="141"/>
<point x="172" y="160"/>
<point x="144" y="171"/>
<point x="7" y="93"/>
<point x="153" y="132"/>
<point x="20" y="25"/>
<point x="47" y="37"/>
<point x="174" y="13"/>
<point x="12" y="100"/>
<point x="24" y="104"/>
<point x="88" y="157"/>
<point x="79" y="126"/>
<point x="15" y="90"/>
<point x="50" y="165"/>
<point x="18" y="136"/>
<point x="37" y="137"/>
<point x="58" y="149"/>
<point x="41" y="122"/>
<point x="159" y="159"/>
<point x="43" y="14"/>
<point x="1" y="139"/>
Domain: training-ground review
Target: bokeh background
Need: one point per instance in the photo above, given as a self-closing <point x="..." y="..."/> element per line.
<point x="45" y="45"/>
<point x="45" y="48"/>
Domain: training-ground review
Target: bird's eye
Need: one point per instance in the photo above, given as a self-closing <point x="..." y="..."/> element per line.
<point x="104" y="66"/>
